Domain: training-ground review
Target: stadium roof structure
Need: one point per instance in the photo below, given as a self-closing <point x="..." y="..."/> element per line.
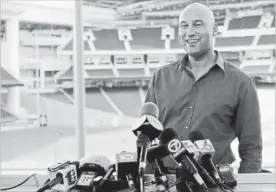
<point x="153" y="7"/>
<point x="56" y="12"/>
<point x="8" y="80"/>
<point x="133" y="4"/>
<point x="113" y="13"/>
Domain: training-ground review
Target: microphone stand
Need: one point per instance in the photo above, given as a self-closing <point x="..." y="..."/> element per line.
<point x="141" y="183"/>
<point x="183" y="180"/>
<point x="160" y="173"/>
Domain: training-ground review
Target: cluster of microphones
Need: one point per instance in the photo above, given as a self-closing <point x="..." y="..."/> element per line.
<point x="194" y="172"/>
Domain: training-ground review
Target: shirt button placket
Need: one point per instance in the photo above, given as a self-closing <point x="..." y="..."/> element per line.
<point x="191" y="107"/>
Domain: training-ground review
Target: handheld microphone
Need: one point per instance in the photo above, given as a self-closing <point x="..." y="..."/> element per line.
<point x="207" y="152"/>
<point x="90" y="169"/>
<point x="170" y="139"/>
<point x="62" y="176"/>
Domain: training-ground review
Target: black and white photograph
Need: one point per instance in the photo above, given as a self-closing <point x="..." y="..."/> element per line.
<point x="137" y="96"/>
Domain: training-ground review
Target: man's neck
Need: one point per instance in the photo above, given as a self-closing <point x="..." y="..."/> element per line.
<point x="202" y="62"/>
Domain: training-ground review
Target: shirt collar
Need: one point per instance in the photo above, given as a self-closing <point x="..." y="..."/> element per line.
<point x="218" y="61"/>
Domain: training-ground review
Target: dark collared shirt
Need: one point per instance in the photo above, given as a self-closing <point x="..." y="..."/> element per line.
<point x="222" y="105"/>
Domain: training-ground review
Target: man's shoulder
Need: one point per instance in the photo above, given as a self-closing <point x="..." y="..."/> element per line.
<point x="168" y="68"/>
<point x="237" y="73"/>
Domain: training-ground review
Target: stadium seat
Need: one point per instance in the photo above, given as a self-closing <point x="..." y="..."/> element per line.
<point x="146" y="38"/>
<point x="100" y="73"/>
<point x="234" y="41"/>
<point x="266" y="40"/>
<point x="255" y="69"/>
<point x="137" y="72"/>
<point x="232" y="57"/>
<point x="107" y="39"/>
<point x="249" y="22"/>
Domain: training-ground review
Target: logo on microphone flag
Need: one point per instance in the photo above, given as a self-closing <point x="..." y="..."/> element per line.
<point x="205" y="146"/>
<point x="174" y="145"/>
<point x="191" y="148"/>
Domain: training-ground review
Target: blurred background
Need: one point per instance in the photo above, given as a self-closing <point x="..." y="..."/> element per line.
<point x="125" y="41"/>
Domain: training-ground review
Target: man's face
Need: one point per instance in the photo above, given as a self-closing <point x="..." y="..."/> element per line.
<point x="196" y="31"/>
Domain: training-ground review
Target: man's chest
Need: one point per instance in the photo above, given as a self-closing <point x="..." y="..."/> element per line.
<point x="198" y="73"/>
<point x="178" y="99"/>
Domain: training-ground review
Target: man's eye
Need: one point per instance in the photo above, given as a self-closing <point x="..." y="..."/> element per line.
<point x="198" y="24"/>
<point x="184" y="26"/>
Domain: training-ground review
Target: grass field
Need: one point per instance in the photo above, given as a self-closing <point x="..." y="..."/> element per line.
<point x="37" y="148"/>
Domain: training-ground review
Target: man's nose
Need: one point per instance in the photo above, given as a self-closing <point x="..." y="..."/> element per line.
<point x="190" y="31"/>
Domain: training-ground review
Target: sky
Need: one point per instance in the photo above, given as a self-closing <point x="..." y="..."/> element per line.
<point x="66" y="4"/>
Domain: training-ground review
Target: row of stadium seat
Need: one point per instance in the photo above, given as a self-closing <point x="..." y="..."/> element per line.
<point x="249" y="22"/>
<point x="149" y="38"/>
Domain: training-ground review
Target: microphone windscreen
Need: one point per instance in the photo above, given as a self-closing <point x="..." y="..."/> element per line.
<point x="102" y="161"/>
<point x="157" y="151"/>
<point x="148" y="122"/>
<point x="167" y="135"/>
<point x="149" y="108"/>
<point x="196" y="135"/>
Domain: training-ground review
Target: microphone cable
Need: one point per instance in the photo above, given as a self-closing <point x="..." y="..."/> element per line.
<point x="171" y="184"/>
<point x="18" y="185"/>
<point x="225" y="188"/>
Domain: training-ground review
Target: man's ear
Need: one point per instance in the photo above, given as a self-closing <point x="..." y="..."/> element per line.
<point x="215" y="29"/>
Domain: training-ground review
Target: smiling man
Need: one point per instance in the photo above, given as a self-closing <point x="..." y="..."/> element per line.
<point x="203" y="92"/>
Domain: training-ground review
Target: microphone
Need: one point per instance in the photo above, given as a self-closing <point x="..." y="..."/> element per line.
<point x="148" y="122"/>
<point x="207" y="152"/>
<point x="126" y="166"/>
<point x="109" y="182"/>
<point x="179" y="154"/>
<point x="90" y="169"/>
<point x="101" y="180"/>
<point x="62" y="176"/>
<point x="155" y="154"/>
<point x="147" y="128"/>
<point x="193" y="153"/>
<point x="142" y="147"/>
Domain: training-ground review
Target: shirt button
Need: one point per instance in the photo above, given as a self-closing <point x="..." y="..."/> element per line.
<point x="190" y="107"/>
<point x="186" y="127"/>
